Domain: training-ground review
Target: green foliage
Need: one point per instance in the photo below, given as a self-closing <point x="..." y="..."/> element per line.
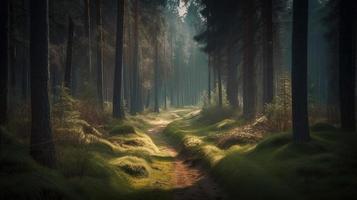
<point x="325" y="164"/>
<point x="133" y="166"/>
<point x="63" y="109"/>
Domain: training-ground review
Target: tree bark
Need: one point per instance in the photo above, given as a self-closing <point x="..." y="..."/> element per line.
<point x="268" y="52"/>
<point x="12" y="46"/>
<point x="118" y="111"/>
<point x="219" y="79"/>
<point x="299" y="72"/>
<point x="87" y="23"/>
<point x="136" y="101"/>
<point x="99" y="54"/>
<point x="68" y="70"/>
<point x="209" y="78"/>
<point x="347" y="64"/>
<point x="232" y="80"/>
<point x="4" y="58"/>
<point x="41" y="147"/>
<point x="156" y="76"/>
<point x="249" y="76"/>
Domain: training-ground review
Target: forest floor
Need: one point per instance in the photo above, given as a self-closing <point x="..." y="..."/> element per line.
<point x="181" y="154"/>
<point x="189" y="181"/>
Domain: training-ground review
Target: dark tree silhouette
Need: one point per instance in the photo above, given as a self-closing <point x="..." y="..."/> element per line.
<point x="299" y="71"/>
<point x="232" y="79"/>
<point x="12" y="45"/>
<point x="88" y="33"/>
<point x="42" y="147"/>
<point x="219" y="80"/>
<point x="268" y="52"/>
<point x="118" y="111"/>
<point x="209" y="68"/>
<point x="347" y="65"/>
<point x="99" y="53"/>
<point x="249" y="77"/>
<point x="4" y="58"/>
<point x="68" y="70"/>
<point x="156" y="76"/>
<point x="136" y="104"/>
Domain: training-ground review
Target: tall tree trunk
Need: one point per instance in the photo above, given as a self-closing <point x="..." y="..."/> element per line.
<point x="25" y="57"/>
<point x="99" y="54"/>
<point x="232" y="80"/>
<point x="249" y="76"/>
<point x="42" y="147"/>
<point x="148" y="97"/>
<point x="88" y="32"/>
<point x="347" y="63"/>
<point x="118" y="110"/>
<point x="299" y="71"/>
<point x="127" y="56"/>
<point x="219" y="79"/>
<point x="13" y="48"/>
<point x="209" y="78"/>
<point x="165" y="96"/>
<point x="136" y="88"/>
<point x="4" y="58"/>
<point x="24" y="76"/>
<point x="268" y="52"/>
<point x="156" y="76"/>
<point x="68" y="70"/>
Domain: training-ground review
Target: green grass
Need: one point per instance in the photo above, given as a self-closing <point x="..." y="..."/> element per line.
<point x="275" y="168"/>
<point x="123" y="164"/>
<point x="122" y="129"/>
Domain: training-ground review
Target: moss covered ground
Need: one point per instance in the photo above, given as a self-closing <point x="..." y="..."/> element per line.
<point x="121" y="163"/>
<point x="274" y="167"/>
<point x="127" y="160"/>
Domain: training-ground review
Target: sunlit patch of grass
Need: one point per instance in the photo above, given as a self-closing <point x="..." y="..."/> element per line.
<point x="122" y="129"/>
<point x="133" y="166"/>
<point x="122" y="165"/>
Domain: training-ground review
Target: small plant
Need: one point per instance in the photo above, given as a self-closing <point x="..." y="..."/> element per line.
<point x="214" y="114"/>
<point x="279" y="111"/>
<point x="64" y="109"/>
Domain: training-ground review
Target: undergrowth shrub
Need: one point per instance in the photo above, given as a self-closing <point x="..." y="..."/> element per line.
<point x="214" y="114"/>
<point x="90" y="112"/>
<point x="89" y="108"/>
<point x="279" y="112"/>
<point x="65" y="118"/>
<point x="67" y="122"/>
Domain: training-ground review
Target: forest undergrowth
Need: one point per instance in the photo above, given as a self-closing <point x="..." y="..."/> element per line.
<point x="102" y="158"/>
<point x="98" y="157"/>
<point x="250" y="156"/>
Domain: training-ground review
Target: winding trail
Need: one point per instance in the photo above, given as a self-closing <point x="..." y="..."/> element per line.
<point x="190" y="182"/>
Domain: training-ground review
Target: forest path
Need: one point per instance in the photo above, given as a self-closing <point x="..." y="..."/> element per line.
<point x="189" y="181"/>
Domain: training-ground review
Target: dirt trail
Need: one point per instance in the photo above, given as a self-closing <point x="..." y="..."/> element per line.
<point x="189" y="182"/>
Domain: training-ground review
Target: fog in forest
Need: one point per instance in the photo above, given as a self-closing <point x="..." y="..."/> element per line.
<point x="178" y="99"/>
